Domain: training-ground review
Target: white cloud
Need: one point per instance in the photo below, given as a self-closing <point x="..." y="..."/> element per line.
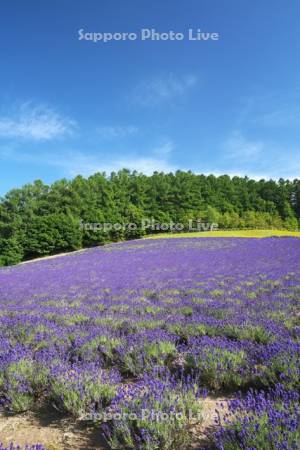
<point x="241" y="148"/>
<point x="164" y="149"/>
<point x="158" y="159"/>
<point x="271" y="110"/>
<point x="163" y="88"/>
<point x="146" y="165"/>
<point x="258" y="158"/>
<point x="83" y="164"/>
<point x="240" y="173"/>
<point x="72" y="163"/>
<point x="35" y="122"/>
<point x="114" y="132"/>
<point x="288" y="117"/>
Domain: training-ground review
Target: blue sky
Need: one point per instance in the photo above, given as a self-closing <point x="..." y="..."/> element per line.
<point x="70" y="106"/>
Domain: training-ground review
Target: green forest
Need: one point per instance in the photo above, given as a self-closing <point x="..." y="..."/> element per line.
<point x="40" y="219"/>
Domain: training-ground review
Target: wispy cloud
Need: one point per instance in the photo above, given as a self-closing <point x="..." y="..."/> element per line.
<point x="75" y="163"/>
<point x="240" y="148"/>
<point x="35" y="122"/>
<point x="164" y="148"/>
<point x="164" y="88"/>
<point x="286" y="117"/>
<point x="254" y="175"/>
<point x="146" y="165"/>
<point x="258" y="158"/>
<point x="116" y="132"/>
<point x="264" y="137"/>
<point x="271" y="110"/>
<point x="72" y="163"/>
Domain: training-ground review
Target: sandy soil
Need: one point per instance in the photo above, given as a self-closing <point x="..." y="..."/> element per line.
<point x="58" y="432"/>
<point x="54" y="431"/>
<point x="204" y="430"/>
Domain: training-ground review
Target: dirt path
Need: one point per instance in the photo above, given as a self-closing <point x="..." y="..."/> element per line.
<point x="54" y="431"/>
<point x="204" y="430"/>
<point x="58" y="432"/>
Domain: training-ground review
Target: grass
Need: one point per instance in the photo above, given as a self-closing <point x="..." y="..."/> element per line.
<point x="228" y="233"/>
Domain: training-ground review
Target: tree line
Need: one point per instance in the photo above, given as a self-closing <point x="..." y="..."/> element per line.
<point x="40" y="219"/>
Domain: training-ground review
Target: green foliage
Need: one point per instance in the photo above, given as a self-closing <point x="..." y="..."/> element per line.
<point x="250" y="332"/>
<point x="140" y="358"/>
<point x="11" y="251"/>
<point x="186" y="311"/>
<point x="25" y="381"/>
<point x="155" y="427"/>
<point x="74" y="393"/>
<point x="220" y="368"/>
<point x="160" y="351"/>
<point x="102" y="346"/>
<point x="51" y="233"/>
<point x="272" y="426"/>
<point x="283" y="368"/>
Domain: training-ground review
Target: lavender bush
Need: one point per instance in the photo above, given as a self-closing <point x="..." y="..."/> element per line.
<point x="262" y="420"/>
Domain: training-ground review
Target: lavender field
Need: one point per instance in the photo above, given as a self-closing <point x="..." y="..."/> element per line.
<point x="134" y="336"/>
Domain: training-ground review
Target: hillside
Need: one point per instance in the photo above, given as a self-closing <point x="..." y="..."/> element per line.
<point x="38" y="219"/>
